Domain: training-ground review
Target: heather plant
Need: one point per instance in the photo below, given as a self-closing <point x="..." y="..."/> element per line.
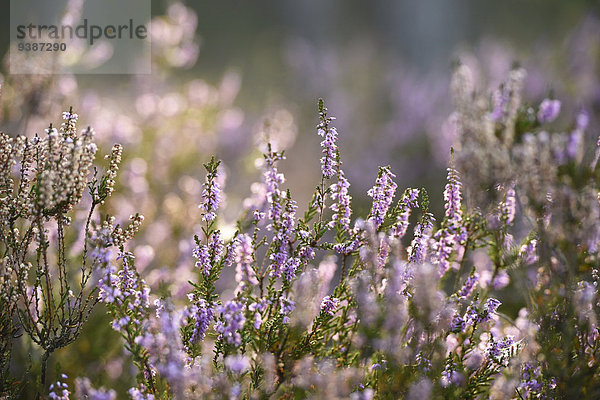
<point x="47" y="293"/>
<point x="329" y="309"/>
<point x="494" y="298"/>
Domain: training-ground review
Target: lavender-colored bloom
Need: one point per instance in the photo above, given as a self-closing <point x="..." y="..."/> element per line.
<point x="453" y="233"/>
<point x="382" y="193"/>
<point x="245" y="274"/>
<point x="329" y="304"/>
<point x="342" y="209"/>
<point x="450" y="376"/>
<point x="289" y="269"/>
<point x="417" y="251"/>
<point x="59" y="390"/>
<point x="84" y="390"/>
<point x="491" y="306"/>
<point x="211" y="195"/>
<point x="531" y="384"/>
<point x="508" y="206"/>
<point x="500" y="99"/>
<point x="469" y="285"/>
<point x="202" y="314"/>
<point x="347" y="248"/>
<point x="423" y="362"/>
<point x="471" y="316"/>
<point x="574" y="144"/>
<point x="406" y="204"/>
<point x="231" y="322"/>
<point x="501" y="280"/>
<point x="272" y="180"/>
<point x="278" y="260"/>
<point x="306" y="253"/>
<point x="208" y="255"/>
<point x="329" y="146"/>
<point x="230" y="252"/>
<point x="125" y="290"/>
<point x="257" y="308"/>
<point x="458" y="324"/>
<point x="383" y="251"/>
<point x="237" y="363"/>
<point x="288" y="220"/>
<point x="453" y="199"/>
<point x="529" y="252"/>
<point x="474" y="316"/>
<point x="329" y="162"/>
<point x="70" y="116"/>
<point x="498" y="351"/>
<point x="137" y="394"/>
<point x="101" y="239"/>
<point x="202" y="256"/>
<point x="286" y="306"/>
<point x="549" y="110"/>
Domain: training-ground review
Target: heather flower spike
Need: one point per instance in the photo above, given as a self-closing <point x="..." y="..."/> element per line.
<point x="211" y="193"/>
<point x="383" y="194"/>
<point x="329" y="161"/>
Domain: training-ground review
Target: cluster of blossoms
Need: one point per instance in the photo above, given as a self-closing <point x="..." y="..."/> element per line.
<point x="453" y="233"/>
<point x="383" y="194"/>
<point x="59" y="390"/>
<point x="211" y="193"/>
<point x="47" y="279"/>
<point x="231" y="322"/>
<point x="322" y="310"/>
<point x="126" y="292"/>
<point x="329" y="162"/>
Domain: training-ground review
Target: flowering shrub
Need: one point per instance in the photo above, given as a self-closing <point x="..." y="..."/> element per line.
<point x="496" y="298"/>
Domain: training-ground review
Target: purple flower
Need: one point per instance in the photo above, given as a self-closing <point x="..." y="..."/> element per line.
<point x="499" y="351"/>
<point x="549" y="110"/>
<point x="286" y="306"/>
<point x="491" y="306"/>
<point x="531" y="383"/>
<point x="417" y="251"/>
<point x="126" y="292"/>
<point x="329" y="162"/>
<point x="329" y="304"/>
<point x="382" y="193"/>
<point x="211" y="193"/>
<point x="272" y="180"/>
<point x="452" y="233"/>
<point x="245" y="274"/>
<point x="208" y="255"/>
<point x="458" y="324"/>
<point x="347" y="248"/>
<point x="469" y="285"/>
<point x="257" y="308"/>
<point x="237" y="363"/>
<point x="137" y="394"/>
<point x="500" y="99"/>
<point x="471" y="316"/>
<point x="508" y="206"/>
<point x="202" y="256"/>
<point x="59" y="390"/>
<point x="450" y="376"/>
<point x="290" y="268"/>
<point x="231" y="322"/>
<point x="528" y="252"/>
<point x="406" y="204"/>
<point x="202" y="314"/>
<point x="342" y="209"/>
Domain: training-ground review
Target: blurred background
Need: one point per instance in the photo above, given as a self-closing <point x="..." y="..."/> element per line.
<point x="229" y="74"/>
